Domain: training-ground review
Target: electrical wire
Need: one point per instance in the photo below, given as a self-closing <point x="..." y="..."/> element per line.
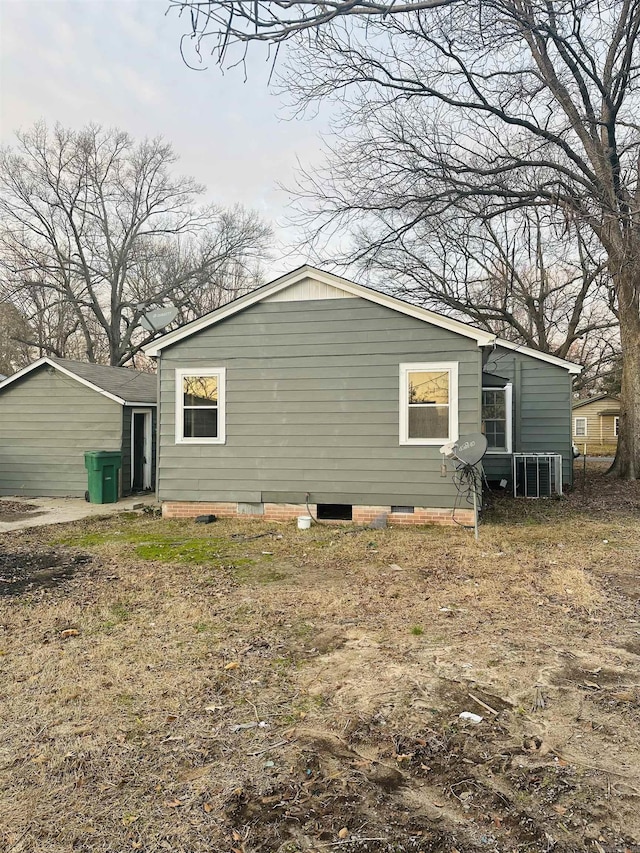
<point x="468" y="482"/>
<point x="311" y="516"/>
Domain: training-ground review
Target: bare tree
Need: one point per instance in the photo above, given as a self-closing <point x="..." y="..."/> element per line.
<point x="95" y="230"/>
<point x="14" y="353"/>
<point x="529" y="275"/>
<point x="522" y="104"/>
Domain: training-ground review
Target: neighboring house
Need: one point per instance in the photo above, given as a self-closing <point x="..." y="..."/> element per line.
<point x="315" y="389"/>
<point x="595" y="423"/>
<point x="55" y="409"/>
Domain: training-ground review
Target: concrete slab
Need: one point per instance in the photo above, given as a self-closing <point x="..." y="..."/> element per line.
<point x="62" y="510"/>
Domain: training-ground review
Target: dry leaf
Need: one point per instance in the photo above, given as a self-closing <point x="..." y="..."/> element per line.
<point x="69" y="632"/>
<point x="344" y="832"/>
<point x="623" y="696"/>
<point x="560" y="810"/>
<point x="207" y="807"/>
<point x="173" y="804"/>
<point x="232" y="665"/>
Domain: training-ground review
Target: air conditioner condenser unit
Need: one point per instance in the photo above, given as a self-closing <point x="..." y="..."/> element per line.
<point x="537" y="475"/>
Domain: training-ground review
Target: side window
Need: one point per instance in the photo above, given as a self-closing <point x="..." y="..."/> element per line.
<point x="580" y="427"/>
<point x="496" y="418"/>
<point x="616" y="426"/>
<point x="200" y="406"/>
<point x="428" y="403"/>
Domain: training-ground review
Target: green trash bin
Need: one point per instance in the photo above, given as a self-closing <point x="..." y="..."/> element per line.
<point x="102" y="467"/>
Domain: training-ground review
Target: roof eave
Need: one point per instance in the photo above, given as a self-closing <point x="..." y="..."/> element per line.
<point x="51" y="363"/>
<point x="569" y="366"/>
<point x="597" y="398"/>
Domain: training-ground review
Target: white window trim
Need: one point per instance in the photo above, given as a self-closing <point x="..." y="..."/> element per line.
<point x="220" y="373"/>
<point x="508" y="402"/>
<point x="575" y="428"/>
<point x="616" y="426"/>
<point x="405" y="369"/>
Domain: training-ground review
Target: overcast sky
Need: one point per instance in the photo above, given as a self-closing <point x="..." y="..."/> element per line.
<point x="118" y="63"/>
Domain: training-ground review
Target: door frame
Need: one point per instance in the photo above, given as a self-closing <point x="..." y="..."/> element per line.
<point x="148" y="447"/>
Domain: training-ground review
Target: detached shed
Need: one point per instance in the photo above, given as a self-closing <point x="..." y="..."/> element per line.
<point x="55" y="409"/>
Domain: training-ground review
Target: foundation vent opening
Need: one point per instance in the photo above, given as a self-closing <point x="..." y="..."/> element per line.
<point x="335" y="512"/>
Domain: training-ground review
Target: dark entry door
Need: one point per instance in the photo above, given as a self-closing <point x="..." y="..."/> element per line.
<point x="139" y="450"/>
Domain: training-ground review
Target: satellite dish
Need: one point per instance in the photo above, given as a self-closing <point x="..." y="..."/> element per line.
<point x="158" y="318"/>
<point x="470" y="448"/>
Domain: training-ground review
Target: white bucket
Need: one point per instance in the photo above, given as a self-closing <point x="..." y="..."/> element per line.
<point x="304" y="522"/>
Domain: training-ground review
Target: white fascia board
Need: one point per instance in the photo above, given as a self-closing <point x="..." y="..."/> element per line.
<point x="44" y="360"/>
<point x="139" y="405"/>
<point x="24" y="371"/>
<point x="571" y="366"/>
<point x="481" y="338"/>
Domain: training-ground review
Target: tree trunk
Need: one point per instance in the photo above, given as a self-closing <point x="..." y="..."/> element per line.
<point x="627" y="461"/>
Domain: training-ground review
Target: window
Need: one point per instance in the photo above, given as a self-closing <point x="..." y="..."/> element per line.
<point x="200" y="415"/>
<point x="616" y="426"/>
<point x="496" y="418"/>
<point x="428" y="403"/>
<point x="580" y="427"/>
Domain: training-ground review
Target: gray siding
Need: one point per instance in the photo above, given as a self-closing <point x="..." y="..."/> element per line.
<point x="47" y="421"/>
<point x="312" y="406"/>
<point x="541" y="411"/>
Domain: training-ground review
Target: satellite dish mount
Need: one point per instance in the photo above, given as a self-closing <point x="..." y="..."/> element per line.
<point x="467" y="452"/>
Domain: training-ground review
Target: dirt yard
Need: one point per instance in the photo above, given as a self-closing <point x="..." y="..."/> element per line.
<point x="254" y="688"/>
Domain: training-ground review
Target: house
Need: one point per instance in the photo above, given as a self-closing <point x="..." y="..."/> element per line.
<point x="55" y="409"/>
<point x="313" y="390"/>
<point x="595" y="423"/>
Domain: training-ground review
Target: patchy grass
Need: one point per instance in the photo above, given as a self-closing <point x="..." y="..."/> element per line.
<point x="301" y="691"/>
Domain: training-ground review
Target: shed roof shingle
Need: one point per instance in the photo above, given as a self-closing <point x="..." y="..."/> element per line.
<point x="132" y="386"/>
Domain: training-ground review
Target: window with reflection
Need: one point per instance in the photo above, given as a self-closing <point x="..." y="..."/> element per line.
<point x="199" y="409"/>
<point x="429" y="403"/>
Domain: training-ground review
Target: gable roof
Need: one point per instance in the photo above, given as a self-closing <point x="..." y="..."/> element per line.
<point x="339" y="286"/>
<point x="595" y="399"/>
<point x="331" y="280"/>
<point x="120" y="384"/>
